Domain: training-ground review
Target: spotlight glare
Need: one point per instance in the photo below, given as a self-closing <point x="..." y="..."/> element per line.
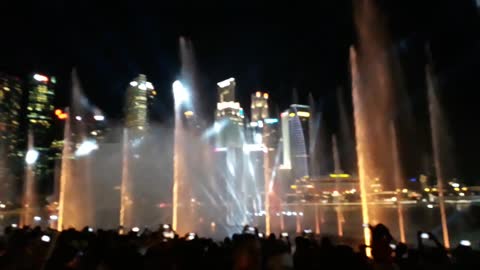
<point x="45" y="238"/>
<point x="86" y="148"/>
<point x="99" y="117"/>
<point x="465" y="243"/>
<point x="31" y="156"/>
<point x="133" y="83"/>
<point x="180" y="93"/>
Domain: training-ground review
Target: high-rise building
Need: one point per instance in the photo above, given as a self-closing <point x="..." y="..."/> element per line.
<point x="40" y="114"/>
<point x="295" y="137"/>
<point x="11" y="97"/>
<point x="229" y="115"/>
<point x="140" y="94"/>
<point x="259" y="106"/>
<point x="226" y="90"/>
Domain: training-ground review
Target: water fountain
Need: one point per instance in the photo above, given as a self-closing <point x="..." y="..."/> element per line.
<point x="64" y="211"/>
<point x="29" y="201"/>
<point x="75" y="198"/>
<point x="435" y="122"/>
<point x="398" y="183"/>
<point x="373" y="91"/>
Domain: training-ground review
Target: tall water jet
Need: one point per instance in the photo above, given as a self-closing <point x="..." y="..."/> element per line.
<point x="184" y="94"/>
<point x="65" y="176"/>
<point x="179" y="202"/>
<point x="267" y="168"/>
<point x="435" y="120"/>
<point x="361" y="140"/>
<point x="337" y="170"/>
<point x="75" y="202"/>
<point x="29" y="200"/>
<point x="126" y="199"/>
<point x="398" y="183"/>
<point x="373" y="91"/>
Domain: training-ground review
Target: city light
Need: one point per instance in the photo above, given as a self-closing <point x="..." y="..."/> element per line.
<point x="254" y="148"/>
<point x="37" y="218"/>
<point x="14" y="225"/>
<point x="225" y="83"/>
<point x="53" y="217"/>
<point x="258" y="94"/>
<point x="303" y="114"/>
<point x="180" y="93"/>
<point x="228" y="105"/>
<point x="31" y="156"/>
<point x="455" y="185"/>
<point x="188" y="113"/>
<point x="133" y="83"/>
<point x="339" y="175"/>
<point x="2" y="205"/>
<point x="40" y="78"/>
<point x="99" y="117"/>
<point x="45" y="238"/>
<point x="265" y="96"/>
<point x="79" y="118"/>
<point x="135" y="229"/>
<point x="149" y="85"/>
<point x="142" y="86"/>
<point x="61" y="114"/>
<point x="430" y="206"/>
<point x="271" y="120"/>
<point x="86" y="148"/>
<point x="465" y="243"/>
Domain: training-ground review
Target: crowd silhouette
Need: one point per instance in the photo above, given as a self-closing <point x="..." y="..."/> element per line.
<point x="33" y="248"/>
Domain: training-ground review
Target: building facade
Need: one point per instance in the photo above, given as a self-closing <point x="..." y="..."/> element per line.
<point x="11" y="134"/>
<point x="259" y="106"/>
<point x="40" y="118"/>
<point x="140" y="95"/>
<point x="296" y="142"/>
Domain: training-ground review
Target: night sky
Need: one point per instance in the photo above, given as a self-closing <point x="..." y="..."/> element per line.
<point x="271" y="46"/>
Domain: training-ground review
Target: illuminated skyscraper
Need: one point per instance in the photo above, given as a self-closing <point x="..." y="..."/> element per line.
<point x="40" y="117"/>
<point x="229" y="115"/>
<point x="259" y="106"/>
<point x="11" y="94"/>
<point x="226" y="90"/>
<point x="295" y="137"/>
<point x="140" y="94"/>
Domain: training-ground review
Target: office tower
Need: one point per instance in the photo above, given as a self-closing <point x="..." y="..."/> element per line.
<point x="40" y="114"/>
<point x="295" y="137"/>
<point x="229" y="115"/>
<point x="11" y="150"/>
<point x="226" y="90"/>
<point x="259" y="106"/>
<point x="140" y="95"/>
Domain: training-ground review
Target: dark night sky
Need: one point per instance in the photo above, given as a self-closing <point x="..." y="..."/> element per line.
<point x="269" y="46"/>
